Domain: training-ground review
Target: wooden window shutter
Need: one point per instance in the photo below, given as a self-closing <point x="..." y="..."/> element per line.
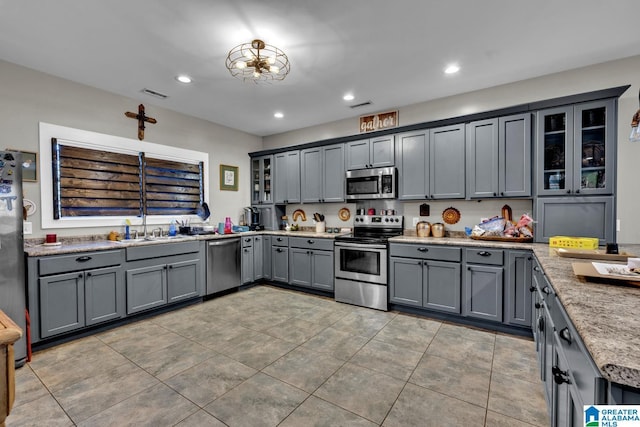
<point x="172" y="188"/>
<point x="95" y="183"/>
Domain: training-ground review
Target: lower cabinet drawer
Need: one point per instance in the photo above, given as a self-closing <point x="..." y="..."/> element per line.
<point x="80" y="261"/>
<point x="440" y="253"/>
<point x="485" y="256"/>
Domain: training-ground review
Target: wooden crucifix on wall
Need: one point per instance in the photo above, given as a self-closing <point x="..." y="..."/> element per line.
<point x="140" y="116"/>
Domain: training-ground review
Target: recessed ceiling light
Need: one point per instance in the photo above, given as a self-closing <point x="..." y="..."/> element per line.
<point x="348" y="97"/>
<point x="452" y="69"/>
<point x="278" y="115"/>
<point x="183" y="79"/>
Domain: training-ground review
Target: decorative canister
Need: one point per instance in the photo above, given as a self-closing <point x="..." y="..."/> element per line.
<point x="423" y="229"/>
<point x="437" y="229"/>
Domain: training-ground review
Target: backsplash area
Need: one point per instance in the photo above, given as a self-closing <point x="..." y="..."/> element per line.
<point x="471" y="211"/>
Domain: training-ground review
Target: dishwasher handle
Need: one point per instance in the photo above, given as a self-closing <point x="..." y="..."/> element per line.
<point x="223" y="242"/>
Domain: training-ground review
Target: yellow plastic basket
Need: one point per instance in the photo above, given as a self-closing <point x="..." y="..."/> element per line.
<point x="573" y="242"/>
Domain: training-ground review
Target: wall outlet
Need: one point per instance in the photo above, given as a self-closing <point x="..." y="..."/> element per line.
<point x="27" y="227"/>
<point x="415" y="220"/>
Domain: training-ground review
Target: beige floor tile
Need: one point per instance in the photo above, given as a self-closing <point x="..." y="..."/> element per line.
<point x="259" y="401"/>
<point x="258" y="350"/>
<point x="455" y="379"/>
<point x="133" y="347"/>
<point x="519" y="399"/>
<point x="28" y="386"/>
<point x="201" y="419"/>
<point x="204" y="383"/>
<point x="88" y="397"/>
<point x="316" y="412"/>
<point x="498" y="420"/>
<point x="364" y="392"/>
<point x="386" y="358"/>
<point x="294" y="330"/>
<point x="516" y="357"/>
<point x="338" y="344"/>
<point x="464" y="345"/>
<point x="410" y="332"/>
<point x="304" y="368"/>
<point x="171" y="360"/>
<point x="418" y="406"/>
<point x="44" y="411"/>
<point x="364" y="322"/>
<point x="155" y="406"/>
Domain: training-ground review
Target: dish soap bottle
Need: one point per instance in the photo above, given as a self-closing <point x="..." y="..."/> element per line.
<point x="172" y="228"/>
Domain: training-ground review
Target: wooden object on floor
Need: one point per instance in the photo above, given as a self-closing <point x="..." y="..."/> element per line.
<point x="9" y="334"/>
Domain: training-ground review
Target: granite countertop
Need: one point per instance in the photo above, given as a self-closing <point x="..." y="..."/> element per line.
<point x="605" y="315"/>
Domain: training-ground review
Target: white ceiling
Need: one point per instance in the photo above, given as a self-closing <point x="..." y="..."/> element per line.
<point x="391" y="53"/>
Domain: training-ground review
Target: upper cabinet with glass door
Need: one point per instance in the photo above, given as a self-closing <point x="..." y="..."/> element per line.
<point x="575" y="149"/>
<point x="261" y="185"/>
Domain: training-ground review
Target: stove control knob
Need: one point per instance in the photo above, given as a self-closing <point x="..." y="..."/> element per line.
<point x="357" y="219"/>
<point x="397" y="220"/>
<point x="386" y="220"/>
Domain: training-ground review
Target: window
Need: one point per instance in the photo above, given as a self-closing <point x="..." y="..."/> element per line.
<point x="90" y="179"/>
<point x="91" y="182"/>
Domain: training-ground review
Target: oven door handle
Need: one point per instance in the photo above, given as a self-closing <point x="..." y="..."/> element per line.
<point x="360" y="245"/>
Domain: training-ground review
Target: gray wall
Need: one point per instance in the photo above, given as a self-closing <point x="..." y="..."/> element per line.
<point x="596" y="77"/>
<point x="28" y="97"/>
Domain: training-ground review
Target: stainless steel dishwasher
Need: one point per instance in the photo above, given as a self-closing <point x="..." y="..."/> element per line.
<point x="223" y="265"/>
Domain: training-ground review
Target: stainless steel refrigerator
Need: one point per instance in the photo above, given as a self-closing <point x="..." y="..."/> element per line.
<point x="12" y="273"/>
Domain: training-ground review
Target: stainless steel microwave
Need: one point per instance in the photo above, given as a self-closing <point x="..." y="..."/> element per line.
<point x="375" y="183"/>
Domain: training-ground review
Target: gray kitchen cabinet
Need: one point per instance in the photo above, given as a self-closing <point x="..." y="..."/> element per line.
<point x="431" y="163"/>
<point x="61" y="303"/>
<point x="498" y="153"/>
<point x="258" y="258"/>
<point x="261" y="181"/>
<point x="72" y="291"/>
<point x="447" y="162"/>
<point x="322" y="174"/>
<point x="287" y="177"/>
<point x="370" y="153"/>
<point x="575" y="216"/>
<point x="575" y="151"/>
<point x="280" y="259"/>
<point x="161" y="274"/>
<point x="311" y="263"/>
<point x="146" y="288"/>
<point x="266" y="260"/>
<point x="518" y="288"/>
<point x="426" y="276"/>
<point x="483" y="284"/>
<point x="247" y="260"/>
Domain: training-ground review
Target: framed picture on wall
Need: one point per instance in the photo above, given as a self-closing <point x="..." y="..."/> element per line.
<point x="29" y="165"/>
<point x="228" y="178"/>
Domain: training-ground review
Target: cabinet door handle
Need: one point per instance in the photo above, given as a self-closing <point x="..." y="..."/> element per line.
<point x="310" y="242"/>
<point x="546" y="290"/>
<point x="170" y="267"/>
<point x="560" y="376"/>
<point x="278" y="250"/>
<point x="83" y="259"/>
<point x="164" y="268"/>
<point x="494" y="194"/>
<point x="538" y="305"/>
<point x="247" y="240"/>
<point x="532" y="289"/>
<point x="577" y="191"/>
<point x="484" y="253"/>
<point x="88" y="274"/>
<point x="421" y="249"/>
<point x="541" y="323"/>
<point x="565" y="334"/>
<point x="536" y="268"/>
<point x="80" y="276"/>
<point x="279" y="239"/>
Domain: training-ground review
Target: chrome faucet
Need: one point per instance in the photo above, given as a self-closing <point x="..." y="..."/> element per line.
<point x="144" y="224"/>
<point x="159" y="230"/>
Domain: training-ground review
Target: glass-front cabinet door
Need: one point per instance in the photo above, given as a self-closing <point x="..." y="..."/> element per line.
<point x="575" y="152"/>
<point x="593" y="146"/>
<point x="555" y="133"/>
<point x="261" y="173"/>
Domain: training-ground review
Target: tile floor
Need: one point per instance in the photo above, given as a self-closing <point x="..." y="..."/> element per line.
<point x="272" y="357"/>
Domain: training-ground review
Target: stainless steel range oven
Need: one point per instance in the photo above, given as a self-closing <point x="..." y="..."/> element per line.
<point x="361" y="261"/>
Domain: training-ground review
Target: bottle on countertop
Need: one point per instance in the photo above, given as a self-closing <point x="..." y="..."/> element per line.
<point x="172" y="228"/>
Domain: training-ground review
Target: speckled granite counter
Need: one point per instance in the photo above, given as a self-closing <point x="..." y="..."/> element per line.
<point x="75" y="245"/>
<point x="605" y="315"/>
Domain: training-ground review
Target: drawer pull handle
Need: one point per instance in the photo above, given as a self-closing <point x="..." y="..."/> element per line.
<point x="310" y="242"/>
<point x="536" y="268"/>
<point x="83" y="259"/>
<point x="484" y="253"/>
<point x="423" y="249"/>
<point x="546" y="290"/>
<point x="279" y="239"/>
<point x="560" y="376"/>
<point x="278" y="250"/>
<point x="565" y="334"/>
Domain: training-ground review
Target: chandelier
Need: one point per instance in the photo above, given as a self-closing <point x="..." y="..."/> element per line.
<point x="258" y="62"/>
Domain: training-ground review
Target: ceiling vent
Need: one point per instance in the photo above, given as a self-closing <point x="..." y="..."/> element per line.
<point x="362" y="104"/>
<point x="154" y="93"/>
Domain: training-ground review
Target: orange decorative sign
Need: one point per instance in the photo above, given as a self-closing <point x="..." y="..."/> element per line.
<point x="379" y="121"/>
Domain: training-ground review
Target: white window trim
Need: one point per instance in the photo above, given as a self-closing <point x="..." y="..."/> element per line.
<point x="116" y="144"/>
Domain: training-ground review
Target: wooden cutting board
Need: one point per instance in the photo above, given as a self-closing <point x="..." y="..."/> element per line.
<point x="593" y="254"/>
